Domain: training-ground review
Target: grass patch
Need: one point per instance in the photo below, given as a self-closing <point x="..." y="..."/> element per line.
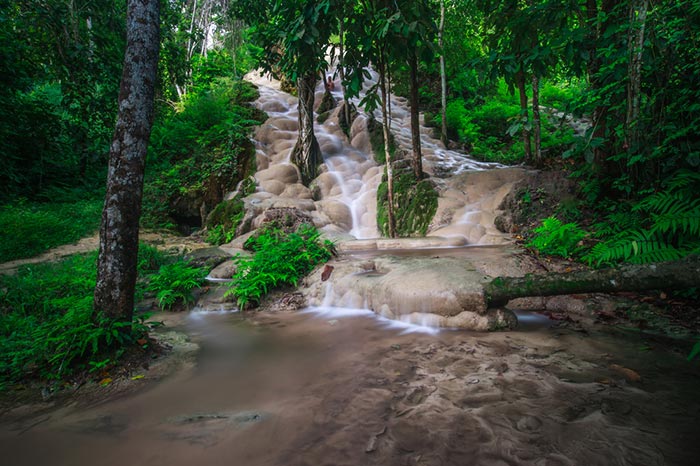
<point x="48" y="330"/>
<point x="30" y="228"/>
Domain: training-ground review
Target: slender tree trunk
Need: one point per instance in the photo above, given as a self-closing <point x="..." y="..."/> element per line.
<point x="387" y="152"/>
<point x="443" y="77"/>
<point x="536" y="121"/>
<point x="307" y="153"/>
<point x="119" y="231"/>
<point x="417" y="160"/>
<point x="635" y="45"/>
<point x="527" y="145"/>
<point x="341" y="58"/>
<point x="597" y="21"/>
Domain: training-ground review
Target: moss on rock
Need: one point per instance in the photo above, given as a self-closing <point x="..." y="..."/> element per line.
<point x="223" y="221"/>
<point x="327" y="103"/>
<point x="415" y="204"/>
<point x="376" y="140"/>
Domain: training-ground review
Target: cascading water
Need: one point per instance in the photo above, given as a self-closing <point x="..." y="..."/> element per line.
<point x="341" y="201"/>
<point x="343" y="196"/>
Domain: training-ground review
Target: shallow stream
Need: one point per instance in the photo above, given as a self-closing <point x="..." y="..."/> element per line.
<point x="315" y="388"/>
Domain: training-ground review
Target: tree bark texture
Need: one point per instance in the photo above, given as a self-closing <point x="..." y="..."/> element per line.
<point x="635" y="46"/>
<point x="598" y="19"/>
<point x="307" y="153"/>
<point x="536" y="119"/>
<point x="673" y="275"/>
<point x="417" y="160"/>
<point x="387" y="152"/>
<point x="119" y="230"/>
<point x="341" y="71"/>
<point x="527" y="144"/>
<point x="443" y="78"/>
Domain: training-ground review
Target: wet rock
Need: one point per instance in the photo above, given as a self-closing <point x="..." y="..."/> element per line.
<point x="528" y="424"/>
<point x="629" y="374"/>
<point x="284" y="173"/>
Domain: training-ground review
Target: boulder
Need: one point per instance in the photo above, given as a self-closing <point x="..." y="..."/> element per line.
<point x="283" y="172"/>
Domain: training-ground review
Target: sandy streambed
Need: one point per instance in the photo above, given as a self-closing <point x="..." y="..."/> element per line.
<point x="299" y="389"/>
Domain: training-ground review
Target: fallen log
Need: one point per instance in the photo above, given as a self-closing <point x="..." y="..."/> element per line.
<point x="674" y="275"/>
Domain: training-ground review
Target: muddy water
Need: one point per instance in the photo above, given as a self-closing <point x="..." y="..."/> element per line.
<point x="321" y="389"/>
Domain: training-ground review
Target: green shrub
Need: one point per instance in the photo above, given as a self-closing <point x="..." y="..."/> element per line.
<point x="224" y="220"/>
<point x="279" y="259"/>
<point x="173" y="283"/>
<point x="48" y="329"/>
<point x="662" y="226"/>
<point x="31" y="228"/>
<point x="491" y="129"/>
<point x="201" y="149"/>
<point x="557" y="239"/>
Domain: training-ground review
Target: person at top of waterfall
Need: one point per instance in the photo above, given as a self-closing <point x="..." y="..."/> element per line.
<point x="329" y="83"/>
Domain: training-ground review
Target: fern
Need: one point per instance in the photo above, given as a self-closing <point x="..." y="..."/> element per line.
<point x="663" y="226"/>
<point x="557" y="239"/>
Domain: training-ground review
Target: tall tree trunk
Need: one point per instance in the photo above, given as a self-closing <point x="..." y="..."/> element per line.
<point x="307" y="153"/>
<point x="524" y="114"/>
<point x="387" y="152"/>
<point x="417" y="160"/>
<point x="341" y="68"/>
<point x="119" y="231"/>
<point x="635" y="45"/>
<point x="536" y="120"/>
<point x="597" y="20"/>
<point x="443" y="77"/>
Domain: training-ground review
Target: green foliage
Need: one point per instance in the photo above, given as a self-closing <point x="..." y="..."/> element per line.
<point x="173" y="283"/>
<point x="491" y="129"/>
<point x="557" y="239"/>
<point x="48" y="329"/>
<point x="201" y="150"/>
<point x="279" y="259"/>
<point x="224" y="220"/>
<point x="58" y="93"/>
<point x="30" y="228"/>
<point x="695" y="351"/>
<point x="415" y="204"/>
<point x="664" y="225"/>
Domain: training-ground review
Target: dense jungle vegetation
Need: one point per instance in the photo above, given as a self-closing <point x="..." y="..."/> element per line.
<point x="607" y="91"/>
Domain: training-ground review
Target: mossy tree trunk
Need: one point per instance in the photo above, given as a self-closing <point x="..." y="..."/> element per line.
<point x="443" y="79"/>
<point x="307" y="153"/>
<point x="524" y="114"/>
<point x="387" y="153"/>
<point x="417" y="160"/>
<point x="682" y="274"/>
<point x="119" y="230"/>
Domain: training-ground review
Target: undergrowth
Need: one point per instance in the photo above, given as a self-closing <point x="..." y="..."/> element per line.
<point x="48" y="329"/>
<point x="491" y="129"/>
<point x="201" y="149"/>
<point x="279" y="259"/>
<point x="662" y="226"/>
<point x="31" y="228"/>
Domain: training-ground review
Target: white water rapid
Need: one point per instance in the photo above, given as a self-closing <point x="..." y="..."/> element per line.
<point x="342" y="199"/>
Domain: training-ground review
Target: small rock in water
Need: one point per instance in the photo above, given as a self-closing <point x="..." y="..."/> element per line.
<point x="629" y="374"/>
<point x="327" y="270"/>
